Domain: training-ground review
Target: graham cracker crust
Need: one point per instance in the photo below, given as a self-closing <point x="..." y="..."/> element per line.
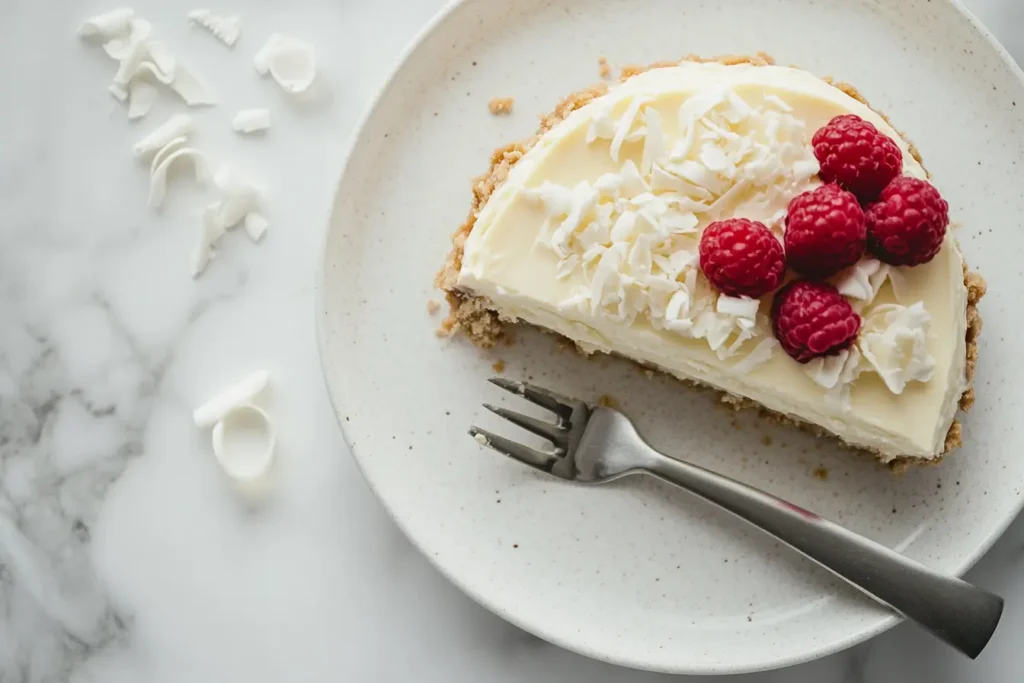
<point x="484" y="327"/>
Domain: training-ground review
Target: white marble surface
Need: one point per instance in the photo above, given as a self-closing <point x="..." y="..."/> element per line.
<point x="124" y="555"/>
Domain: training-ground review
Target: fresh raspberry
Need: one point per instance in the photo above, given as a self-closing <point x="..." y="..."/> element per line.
<point x="825" y="232"/>
<point x="907" y="224"/>
<point x="742" y="257"/>
<point x="812" y="319"/>
<point x="855" y="155"/>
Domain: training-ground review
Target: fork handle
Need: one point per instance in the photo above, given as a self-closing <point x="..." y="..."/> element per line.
<point x="962" y="615"/>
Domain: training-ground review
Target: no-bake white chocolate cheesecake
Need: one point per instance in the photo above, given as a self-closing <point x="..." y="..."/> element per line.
<point x="744" y="226"/>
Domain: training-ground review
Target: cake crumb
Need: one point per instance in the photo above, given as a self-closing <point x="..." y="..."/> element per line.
<point x="649" y="374"/>
<point x="820" y="473"/>
<point x="447" y="327"/>
<point x="499" y="366"/>
<point x="433" y="307"/>
<point x="604" y="68"/>
<point x="766" y="440"/>
<point x="501" y="106"/>
<point x="607" y="401"/>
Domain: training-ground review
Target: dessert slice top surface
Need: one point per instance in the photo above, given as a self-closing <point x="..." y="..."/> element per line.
<point x="595" y="235"/>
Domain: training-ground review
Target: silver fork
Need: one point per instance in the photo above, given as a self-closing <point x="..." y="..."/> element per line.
<point x="594" y="444"/>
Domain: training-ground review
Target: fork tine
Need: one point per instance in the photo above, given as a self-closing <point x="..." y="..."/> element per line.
<point x="542" y="397"/>
<point x="554" y="433"/>
<point x="516" y="451"/>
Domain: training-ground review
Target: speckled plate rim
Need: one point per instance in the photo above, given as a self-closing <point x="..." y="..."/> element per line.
<point x="337" y="400"/>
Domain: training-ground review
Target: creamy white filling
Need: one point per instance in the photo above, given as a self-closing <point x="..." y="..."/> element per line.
<point x="532" y="261"/>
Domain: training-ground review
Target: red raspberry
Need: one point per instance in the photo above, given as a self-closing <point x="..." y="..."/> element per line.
<point x="742" y="257"/>
<point x="907" y="224"/>
<point x="855" y="155"/>
<point x="812" y="319"/>
<point x="825" y="232"/>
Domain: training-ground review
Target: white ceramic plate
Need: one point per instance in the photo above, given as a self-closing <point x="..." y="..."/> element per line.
<point x="637" y="573"/>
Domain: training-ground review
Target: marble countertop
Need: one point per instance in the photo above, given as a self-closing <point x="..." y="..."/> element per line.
<point x="124" y="555"/>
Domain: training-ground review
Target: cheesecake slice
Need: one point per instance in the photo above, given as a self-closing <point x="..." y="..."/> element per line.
<point x="595" y="229"/>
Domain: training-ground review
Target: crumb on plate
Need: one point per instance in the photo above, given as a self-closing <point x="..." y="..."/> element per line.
<point x="499" y="366"/>
<point x="433" y="307"/>
<point x="501" y="106"/>
<point x="447" y="328"/>
<point x="604" y="68"/>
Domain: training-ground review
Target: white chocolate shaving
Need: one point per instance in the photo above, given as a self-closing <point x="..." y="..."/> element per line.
<point x="162" y="60"/>
<point x="128" y="40"/>
<point x="739" y="307"/>
<point x="255" y="226"/>
<point x="251" y="121"/>
<point x="158" y="179"/>
<point x="240" y="203"/>
<point x="119" y="93"/>
<point x="179" y="125"/>
<point x="243" y="435"/>
<point x="759" y="355"/>
<point x="894" y="340"/>
<point x="243" y="392"/>
<point x="626" y="124"/>
<point x="654" y="142"/>
<point x="289" y="61"/>
<point x="131" y="52"/>
<point x="240" y="196"/>
<point x="155" y="73"/>
<point x="225" y="29"/>
<point x="243" y="443"/>
<point x="210" y="231"/>
<point x="835" y="373"/>
<point x="190" y="89"/>
<point x="108" y="25"/>
<point x="863" y="280"/>
<point x="171" y="147"/>
<point x="141" y="98"/>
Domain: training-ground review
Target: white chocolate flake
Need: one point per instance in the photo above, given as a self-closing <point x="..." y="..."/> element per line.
<point x="836" y="373"/>
<point x="213" y="410"/>
<point x="654" y="142"/>
<point x="249" y="121"/>
<point x="289" y="61"/>
<point x="210" y="231"/>
<point x="224" y="29"/>
<point x="141" y="98"/>
<point x="738" y="307"/>
<point x="625" y="124"/>
<point x="107" y="26"/>
<point x="255" y="226"/>
<point x="119" y="93"/>
<point x="169" y="148"/>
<point x="243" y="442"/>
<point x="240" y="195"/>
<point x="191" y="90"/>
<point x="759" y="355"/>
<point x="894" y="340"/>
<point x="159" y="178"/>
<point x="128" y="40"/>
<point x="863" y="280"/>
